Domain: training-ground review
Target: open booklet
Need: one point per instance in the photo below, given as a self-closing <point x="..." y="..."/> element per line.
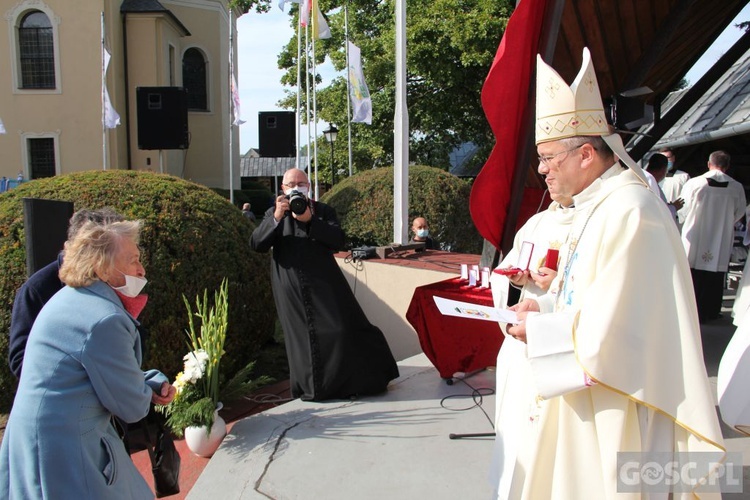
<point x="450" y="307"/>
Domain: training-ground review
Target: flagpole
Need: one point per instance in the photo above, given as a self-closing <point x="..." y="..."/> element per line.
<point x="348" y="84"/>
<point x="231" y="104"/>
<point x="315" y="111"/>
<point x="299" y="89"/>
<point x="401" y="133"/>
<point x="104" y="82"/>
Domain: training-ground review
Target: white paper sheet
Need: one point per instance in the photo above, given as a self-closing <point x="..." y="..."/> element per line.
<point x="450" y="307"/>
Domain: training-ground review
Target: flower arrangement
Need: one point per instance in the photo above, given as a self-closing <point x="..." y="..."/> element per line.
<point x="197" y="385"/>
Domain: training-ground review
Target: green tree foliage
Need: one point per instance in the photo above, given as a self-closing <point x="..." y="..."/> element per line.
<point x="364" y="205"/>
<point x="244" y="6"/>
<point x="450" y="47"/>
<point x="191" y="239"/>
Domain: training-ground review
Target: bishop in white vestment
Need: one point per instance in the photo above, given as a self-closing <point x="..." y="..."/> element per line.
<point x="616" y="353"/>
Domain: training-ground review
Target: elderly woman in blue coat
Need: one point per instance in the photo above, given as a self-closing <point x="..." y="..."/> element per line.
<point x="82" y="366"/>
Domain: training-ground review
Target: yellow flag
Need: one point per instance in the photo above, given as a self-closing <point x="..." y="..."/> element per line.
<point x="319" y="25"/>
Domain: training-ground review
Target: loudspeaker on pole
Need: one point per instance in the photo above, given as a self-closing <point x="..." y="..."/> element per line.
<point x="276" y="134"/>
<point x="162" y="118"/>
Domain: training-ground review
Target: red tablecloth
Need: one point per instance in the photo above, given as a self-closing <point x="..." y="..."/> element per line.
<point x="454" y="344"/>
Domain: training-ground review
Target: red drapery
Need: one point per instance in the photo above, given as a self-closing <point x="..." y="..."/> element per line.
<point x="504" y="99"/>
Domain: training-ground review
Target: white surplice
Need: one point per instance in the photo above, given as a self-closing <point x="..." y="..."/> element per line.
<point x="515" y="401"/>
<point x="710" y="214"/>
<point x="672" y="185"/>
<point x="627" y="310"/>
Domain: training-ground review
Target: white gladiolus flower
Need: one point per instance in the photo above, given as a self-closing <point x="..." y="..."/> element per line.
<point x="195" y="365"/>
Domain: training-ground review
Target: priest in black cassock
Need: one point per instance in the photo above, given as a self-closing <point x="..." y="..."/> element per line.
<point x="334" y="352"/>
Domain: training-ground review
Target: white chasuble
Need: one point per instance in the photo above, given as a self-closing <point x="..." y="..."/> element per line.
<point x="626" y="306"/>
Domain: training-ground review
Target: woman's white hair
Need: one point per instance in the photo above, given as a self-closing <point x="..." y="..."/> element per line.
<point x="92" y="250"/>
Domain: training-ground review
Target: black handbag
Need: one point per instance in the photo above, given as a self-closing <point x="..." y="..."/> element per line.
<point x="165" y="460"/>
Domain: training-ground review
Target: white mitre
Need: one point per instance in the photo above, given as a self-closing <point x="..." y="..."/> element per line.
<point x="567" y="111"/>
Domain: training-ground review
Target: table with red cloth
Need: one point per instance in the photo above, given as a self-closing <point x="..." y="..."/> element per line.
<point x="454" y="344"/>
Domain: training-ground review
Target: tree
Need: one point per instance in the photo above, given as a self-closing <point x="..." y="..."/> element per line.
<point x="450" y="48"/>
<point x="246" y="5"/>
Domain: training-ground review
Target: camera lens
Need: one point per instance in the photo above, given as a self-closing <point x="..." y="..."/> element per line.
<point x="297" y="203"/>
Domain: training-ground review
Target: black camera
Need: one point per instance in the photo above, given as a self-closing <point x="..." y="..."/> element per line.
<point x="297" y="202"/>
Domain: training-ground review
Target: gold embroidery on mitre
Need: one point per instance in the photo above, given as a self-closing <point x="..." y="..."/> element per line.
<point x="566" y="111"/>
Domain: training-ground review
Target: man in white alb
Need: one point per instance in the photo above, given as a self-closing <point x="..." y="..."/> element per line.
<point x="675" y="179"/>
<point x="516" y="402"/>
<point x="713" y="203"/>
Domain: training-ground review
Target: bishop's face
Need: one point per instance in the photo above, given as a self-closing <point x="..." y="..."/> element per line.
<point x="560" y="166"/>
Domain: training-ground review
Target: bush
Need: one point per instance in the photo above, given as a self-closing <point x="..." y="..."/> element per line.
<point x="364" y="204"/>
<point x="191" y="239"/>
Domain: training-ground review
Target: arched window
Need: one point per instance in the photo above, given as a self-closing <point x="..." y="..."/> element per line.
<point x="36" y="51"/>
<point x="194" y="79"/>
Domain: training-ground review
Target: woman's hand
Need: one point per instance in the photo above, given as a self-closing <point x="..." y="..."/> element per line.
<point x="165" y="395"/>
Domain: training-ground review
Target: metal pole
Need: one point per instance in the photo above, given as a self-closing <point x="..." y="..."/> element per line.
<point x="348" y="86"/>
<point x="401" y="133"/>
<point x="231" y="105"/>
<point x="333" y="169"/>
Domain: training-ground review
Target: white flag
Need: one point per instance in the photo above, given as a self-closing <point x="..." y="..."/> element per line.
<point x="2" y="127"/>
<point x="236" y="103"/>
<point x="110" y="117"/>
<point x="358" y="91"/>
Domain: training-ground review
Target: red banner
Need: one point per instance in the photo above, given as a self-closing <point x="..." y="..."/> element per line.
<point x="505" y="96"/>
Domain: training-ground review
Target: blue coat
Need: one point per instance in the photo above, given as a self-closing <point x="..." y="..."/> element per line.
<point x="82" y="365"/>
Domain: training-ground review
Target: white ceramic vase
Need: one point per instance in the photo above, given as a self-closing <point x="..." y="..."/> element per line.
<point x="205" y="444"/>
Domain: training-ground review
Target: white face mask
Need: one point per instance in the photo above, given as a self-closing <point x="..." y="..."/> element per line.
<point x="133" y="285"/>
<point x="301" y="190"/>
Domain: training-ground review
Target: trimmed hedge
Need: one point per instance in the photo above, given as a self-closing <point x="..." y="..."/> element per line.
<point x="191" y="239"/>
<point x="364" y="204"/>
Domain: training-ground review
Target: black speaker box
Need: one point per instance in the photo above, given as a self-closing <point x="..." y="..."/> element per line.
<point x="45" y="225"/>
<point x="162" y="118"/>
<point x="276" y="133"/>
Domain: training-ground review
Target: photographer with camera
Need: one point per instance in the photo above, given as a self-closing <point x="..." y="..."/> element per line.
<point x="334" y="352"/>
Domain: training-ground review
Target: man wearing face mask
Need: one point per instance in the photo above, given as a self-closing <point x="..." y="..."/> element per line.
<point x="672" y="184"/>
<point x="422" y="234"/>
<point x="334" y="352"/>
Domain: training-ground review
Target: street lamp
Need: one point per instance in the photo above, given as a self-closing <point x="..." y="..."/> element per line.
<point x="330" y="134"/>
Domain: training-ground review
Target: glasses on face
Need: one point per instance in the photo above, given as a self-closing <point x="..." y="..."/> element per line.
<point x="545" y="160"/>
<point x="295" y="184"/>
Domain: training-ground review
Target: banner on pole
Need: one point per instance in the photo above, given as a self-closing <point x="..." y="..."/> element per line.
<point x="358" y="91"/>
<point x="319" y="25"/>
<point x="110" y="117"/>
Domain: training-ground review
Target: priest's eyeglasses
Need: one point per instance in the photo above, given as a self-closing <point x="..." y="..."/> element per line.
<point x="545" y="160"/>
<point x="295" y="184"/>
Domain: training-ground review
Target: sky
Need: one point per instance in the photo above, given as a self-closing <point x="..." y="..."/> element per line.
<point x="260" y="39"/>
<point x="262" y="36"/>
